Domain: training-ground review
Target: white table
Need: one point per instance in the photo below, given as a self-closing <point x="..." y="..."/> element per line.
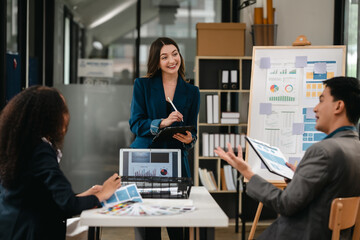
<point x="207" y="215"/>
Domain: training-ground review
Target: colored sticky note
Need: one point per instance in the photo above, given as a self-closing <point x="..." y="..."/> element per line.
<point x="300" y="61"/>
<point x="309" y="75"/>
<point x="310" y="113"/>
<point x="298" y="128"/>
<point x="265" y="62"/>
<point x="330" y="74"/>
<point x="320" y="67"/>
<point x="265" y="108"/>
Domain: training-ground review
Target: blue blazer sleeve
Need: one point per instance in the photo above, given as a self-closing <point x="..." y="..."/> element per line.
<point x="139" y="117"/>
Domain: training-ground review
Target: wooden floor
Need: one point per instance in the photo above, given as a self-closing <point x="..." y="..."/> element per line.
<point x="227" y="233"/>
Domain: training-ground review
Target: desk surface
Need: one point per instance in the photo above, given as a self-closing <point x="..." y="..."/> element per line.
<point x="207" y="214"/>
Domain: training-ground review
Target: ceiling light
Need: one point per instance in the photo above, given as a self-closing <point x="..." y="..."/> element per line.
<point x="112" y="13"/>
<point x="97" y="45"/>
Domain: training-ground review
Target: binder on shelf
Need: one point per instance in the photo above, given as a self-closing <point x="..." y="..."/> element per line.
<point x="246" y="73"/>
<point x="227" y="140"/>
<point x="229" y="179"/>
<point x="235" y="173"/>
<point x="234" y="82"/>
<point x="205" y="144"/>
<point x="223" y="181"/>
<point x="222" y="141"/>
<point x="216" y="141"/>
<point x="209" y="108"/>
<point x="224" y="79"/>
<point x="211" y="145"/>
<point x="216" y="108"/>
<point x="237" y="141"/>
<point x="243" y="141"/>
<point x="232" y="140"/>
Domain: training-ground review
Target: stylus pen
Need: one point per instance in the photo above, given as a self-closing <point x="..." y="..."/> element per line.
<point x="173" y="106"/>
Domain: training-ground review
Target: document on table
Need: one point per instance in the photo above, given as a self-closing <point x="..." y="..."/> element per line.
<point x="124" y="194"/>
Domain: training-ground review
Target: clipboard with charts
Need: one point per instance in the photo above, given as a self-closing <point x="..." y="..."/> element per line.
<point x="168" y="132"/>
<point x="272" y="157"/>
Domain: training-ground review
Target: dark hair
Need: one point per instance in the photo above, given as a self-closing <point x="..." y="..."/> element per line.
<point x="346" y="89"/>
<point x="154" y="57"/>
<point x="32" y="114"/>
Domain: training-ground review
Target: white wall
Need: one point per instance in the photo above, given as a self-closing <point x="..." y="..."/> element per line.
<point x="312" y="18"/>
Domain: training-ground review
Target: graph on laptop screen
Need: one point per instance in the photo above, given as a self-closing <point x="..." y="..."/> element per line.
<point x="150" y="162"/>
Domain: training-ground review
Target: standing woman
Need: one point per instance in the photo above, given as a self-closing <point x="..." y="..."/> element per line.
<point x="35" y="196"/>
<point x="150" y="109"/>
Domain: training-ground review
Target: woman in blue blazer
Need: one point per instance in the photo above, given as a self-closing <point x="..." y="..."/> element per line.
<point x="150" y="108"/>
<point x="152" y="111"/>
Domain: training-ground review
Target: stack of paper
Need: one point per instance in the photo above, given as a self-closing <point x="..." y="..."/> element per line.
<point x="230" y="117"/>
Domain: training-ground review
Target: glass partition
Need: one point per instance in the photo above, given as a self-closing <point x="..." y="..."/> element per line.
<point x="100" y="106"/>
<point x="98" y="128"/>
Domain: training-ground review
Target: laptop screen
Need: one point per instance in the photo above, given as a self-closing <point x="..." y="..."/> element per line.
<point x="150" y="162"/>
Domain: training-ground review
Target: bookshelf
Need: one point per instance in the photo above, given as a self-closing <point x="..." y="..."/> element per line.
<point x="208" y="77"/>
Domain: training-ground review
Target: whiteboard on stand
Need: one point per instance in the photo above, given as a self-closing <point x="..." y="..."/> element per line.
<point x="286" y="83"/>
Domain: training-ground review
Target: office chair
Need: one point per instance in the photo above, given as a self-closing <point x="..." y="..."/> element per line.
<point x="345" y="213"/>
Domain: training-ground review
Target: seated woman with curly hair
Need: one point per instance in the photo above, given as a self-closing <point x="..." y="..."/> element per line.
<point x="35" y="196"/>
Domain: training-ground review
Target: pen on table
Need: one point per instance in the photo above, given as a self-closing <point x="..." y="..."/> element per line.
<point x="173" y="106"/>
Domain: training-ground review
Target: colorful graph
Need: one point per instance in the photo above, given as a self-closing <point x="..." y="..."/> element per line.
<point x="274" y="88"/>
<point x="163" y="172"/>
<point x="145" y="172"/>
<point x="289" y="88"/>
<point x="282" y="99"/>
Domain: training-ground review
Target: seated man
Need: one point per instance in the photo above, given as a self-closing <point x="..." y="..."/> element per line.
<point x="328" y="170"/>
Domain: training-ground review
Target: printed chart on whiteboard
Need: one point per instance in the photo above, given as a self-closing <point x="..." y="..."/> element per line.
<point x="286" y="85"/>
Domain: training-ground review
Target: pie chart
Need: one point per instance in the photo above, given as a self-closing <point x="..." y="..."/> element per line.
<point x="274" y="88"/>
<point x="163" y="172"/>
<point x="289" y="88"/>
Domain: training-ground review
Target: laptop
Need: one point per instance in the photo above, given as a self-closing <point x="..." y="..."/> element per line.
<point x="150" y="162"/>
